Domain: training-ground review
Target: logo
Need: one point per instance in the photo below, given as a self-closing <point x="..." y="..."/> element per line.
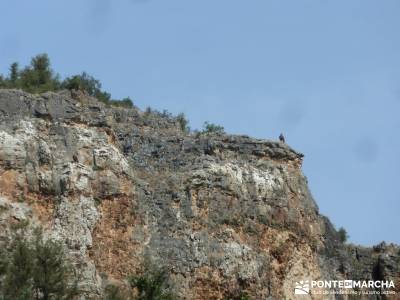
<point x="344" y="287"/>
<point x="302" y="288"/>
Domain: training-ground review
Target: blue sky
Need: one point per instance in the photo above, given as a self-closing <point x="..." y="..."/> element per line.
<point x="326" y="73"/>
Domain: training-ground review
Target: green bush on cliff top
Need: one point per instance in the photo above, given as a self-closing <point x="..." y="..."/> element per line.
<point x="39" y="77"/>
<point x="213" y="128"/>
<point x="343" y="236"/>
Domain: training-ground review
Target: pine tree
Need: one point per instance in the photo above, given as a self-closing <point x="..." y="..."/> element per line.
<point x="14" y="74"/>
<point x="39" y="77"/>
<point x="2" y="81"/>
<point x="343" y="236"/>
<point x="18" y="283"/>
<point x="183" y="122"/>
<point x="41" y="65"/>
<point x="35" y="268"/>
<point x="51" y="272"/>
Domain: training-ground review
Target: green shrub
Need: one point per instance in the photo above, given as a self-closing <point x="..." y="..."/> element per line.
<point x="153" y="285"/>
<point x="36" y="78"/>
<point x="18" y="270"/>
<point x="148" y="112"/>
<point x="126" y="102"/>
<point x="35" y="268"/>
<point x="212" y="128"/>
<point x="183" y="122"/>
<point x="87" y="83"/>
<point x="343" y="236"/>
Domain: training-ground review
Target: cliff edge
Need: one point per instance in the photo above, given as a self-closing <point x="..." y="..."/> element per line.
<point x="221" y="213"/>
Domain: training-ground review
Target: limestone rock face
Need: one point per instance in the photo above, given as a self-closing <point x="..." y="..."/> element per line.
<point x="118" y="186"/>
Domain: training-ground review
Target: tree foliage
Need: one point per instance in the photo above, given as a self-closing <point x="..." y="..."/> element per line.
<point x="14" y="73"/>
<point x="18" y="271"/>
<point x="126" y="102"/>
<point x="343" y="236"/>
<point x="35" y="268"/>
<point x="87" y="83"/>
<point x="183" y="122"/>
<point x="2" y="81"/>
<point x="39" y="77"/>
<point x="213" y="128"/>
<point x="153" y="285"/>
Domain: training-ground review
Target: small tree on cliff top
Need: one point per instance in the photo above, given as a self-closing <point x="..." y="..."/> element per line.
<point x="87" y="83"/>
<point x="213" y="128"/>
<point x="343" y="236"/>
<point x="14" y="74"/>
<point x="38" y="77"/>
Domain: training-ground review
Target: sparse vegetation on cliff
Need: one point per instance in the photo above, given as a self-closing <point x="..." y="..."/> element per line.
<point x="39" y="77"/>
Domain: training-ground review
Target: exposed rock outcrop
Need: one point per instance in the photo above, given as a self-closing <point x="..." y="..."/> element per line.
<point x="221" y="212"/>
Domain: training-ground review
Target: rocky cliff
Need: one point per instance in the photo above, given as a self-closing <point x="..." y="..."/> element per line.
<point x="221" y="213"/>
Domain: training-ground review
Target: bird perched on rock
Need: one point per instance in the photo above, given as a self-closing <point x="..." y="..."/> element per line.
<point x="282" y="138"/>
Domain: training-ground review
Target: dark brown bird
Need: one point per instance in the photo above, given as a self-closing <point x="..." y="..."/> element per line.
<point x="282" y="138"/>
